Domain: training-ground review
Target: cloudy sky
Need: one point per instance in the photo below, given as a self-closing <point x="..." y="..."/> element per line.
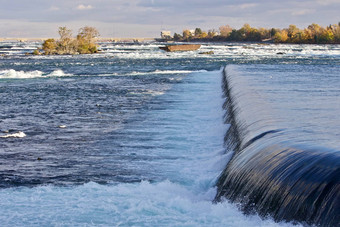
<point x="146" y="18"/>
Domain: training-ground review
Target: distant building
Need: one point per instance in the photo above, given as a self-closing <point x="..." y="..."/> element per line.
<point x="166" y="34"/>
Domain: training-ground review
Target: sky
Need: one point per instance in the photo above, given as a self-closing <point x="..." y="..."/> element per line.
<point x="146" y="18"/>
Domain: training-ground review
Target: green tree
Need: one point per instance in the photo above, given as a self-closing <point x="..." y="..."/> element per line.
<point x="177" y="37"/>
<point x="198" y="32"/>
<point x="273" y="32"/>
<point x="235" y="35"/>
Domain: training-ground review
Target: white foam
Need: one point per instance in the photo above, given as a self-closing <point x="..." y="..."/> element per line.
<point x="161" y="72"/>
<point x="13" y="74"/>
<point x="172" y="71"/>
<point x="148" y="92"/>
<point x="14" y="135"/>
<point x="140" y="204"/>
<point x="58" y="73"/>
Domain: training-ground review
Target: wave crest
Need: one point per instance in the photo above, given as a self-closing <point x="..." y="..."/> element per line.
<point x="13" y="74"/>
<point x="14" y="135"/>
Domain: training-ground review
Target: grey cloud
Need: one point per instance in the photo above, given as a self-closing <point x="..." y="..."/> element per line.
<point x="177" y="14"/>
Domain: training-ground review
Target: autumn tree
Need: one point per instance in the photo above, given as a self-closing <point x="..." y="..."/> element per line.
<point x="253" y="35"/>
<point x="308" y="36"/>
<point x="65" y="39"/>
<point x="264" y="33"/>
<point x="315" y="31"/>
<point x="203" y="35"/>
<point x="85" y="40"/>
<point x="88" y="34"/>
<point x="187" y="35"/>
<point x="292" y="33"/>
<point x="65" y="34"/>
<point x="281" y="36"/>
<point x="225" y="30"/>
<point x="336" y="32"/>
<point x="49" y="46"/>
<point x="326" y="36"/>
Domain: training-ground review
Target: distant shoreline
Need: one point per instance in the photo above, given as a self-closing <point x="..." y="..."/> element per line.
<point x="165" y="42"/>
<point x="98" y="39"/>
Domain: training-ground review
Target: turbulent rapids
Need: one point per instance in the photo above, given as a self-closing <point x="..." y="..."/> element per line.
<point x="134" y="136"/>
<point x="268" y="172"/>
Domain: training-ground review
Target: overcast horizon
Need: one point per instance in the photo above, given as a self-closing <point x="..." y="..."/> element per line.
<point x="146" y="18"/>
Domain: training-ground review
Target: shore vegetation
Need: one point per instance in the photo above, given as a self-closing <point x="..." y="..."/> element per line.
<point x="313" y="34"/>
<point x="83" y="43"/>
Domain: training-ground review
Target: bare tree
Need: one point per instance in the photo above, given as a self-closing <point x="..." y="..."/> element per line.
<point x="88" y="34"/>
<point x="225" y="30"/>
<point x="65" y="38"/>
<point x="65" y="34"/>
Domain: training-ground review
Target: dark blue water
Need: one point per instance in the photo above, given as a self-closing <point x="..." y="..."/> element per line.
<point x="135" y="136"/>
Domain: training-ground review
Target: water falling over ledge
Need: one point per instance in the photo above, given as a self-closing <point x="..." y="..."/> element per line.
<point x="269" y="173"/>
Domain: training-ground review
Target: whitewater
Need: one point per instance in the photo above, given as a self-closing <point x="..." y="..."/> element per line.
<point x="194" y="135"/>
<point x="135" y="136"/>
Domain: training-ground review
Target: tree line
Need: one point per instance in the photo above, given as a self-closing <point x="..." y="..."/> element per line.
<point x="313" y="34"/>
<point x="83" y="43"/>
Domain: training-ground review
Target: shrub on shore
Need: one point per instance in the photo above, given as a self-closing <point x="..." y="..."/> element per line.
<point x="84" y="43"/>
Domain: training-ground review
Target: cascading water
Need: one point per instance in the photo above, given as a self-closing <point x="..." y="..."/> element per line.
<point x="268" y="172"/>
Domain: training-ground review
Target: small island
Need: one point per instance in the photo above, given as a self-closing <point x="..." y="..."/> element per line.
<point x="83" y="43"/>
